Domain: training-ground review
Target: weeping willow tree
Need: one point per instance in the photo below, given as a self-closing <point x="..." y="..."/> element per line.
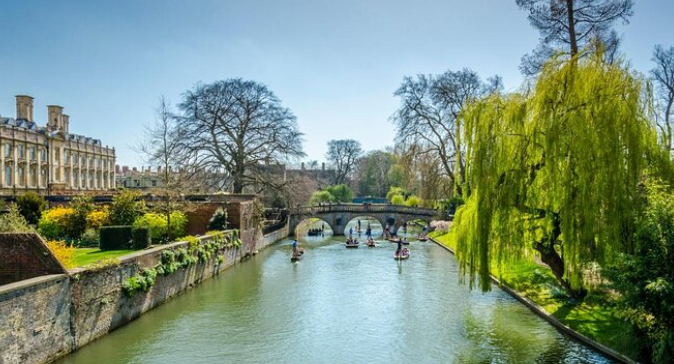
<point x="554" y="172"/>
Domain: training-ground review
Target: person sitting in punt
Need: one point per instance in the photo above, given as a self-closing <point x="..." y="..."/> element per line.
<point x="400" y="247"/>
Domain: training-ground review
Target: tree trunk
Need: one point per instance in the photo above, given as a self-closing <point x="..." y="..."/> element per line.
<point x="550" y="257"/>
<point x="572" y="28"/>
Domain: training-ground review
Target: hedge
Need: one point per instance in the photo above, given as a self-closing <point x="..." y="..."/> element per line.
<point x="141" y="238"/>
<point x="115" y="237"/>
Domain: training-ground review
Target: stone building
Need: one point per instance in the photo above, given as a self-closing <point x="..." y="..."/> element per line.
<point x="49" y="159"/>
<point x="132" y="178"/>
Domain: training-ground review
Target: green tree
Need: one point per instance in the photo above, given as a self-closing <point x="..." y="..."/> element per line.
<point x="555" y="171"/>
<point x="126" y="207"/>
<point x="341" y="193"/>
<point x="77" y="221"/>
<point x="413" y="201"/>
<point x="398" y="200"/>
<point x="645" y="283"/>
<point x="31" y="206"/>
<point x="321" y="197"/>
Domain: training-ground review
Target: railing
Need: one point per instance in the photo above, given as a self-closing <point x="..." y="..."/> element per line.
<point x="362" y="208"/>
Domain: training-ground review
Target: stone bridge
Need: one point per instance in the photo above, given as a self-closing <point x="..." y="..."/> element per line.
<point x="338" y="215"/>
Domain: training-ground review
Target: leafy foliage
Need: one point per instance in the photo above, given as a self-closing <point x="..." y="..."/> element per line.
<point x="53" y="223"/>
<point x="398" y="200"/>
<point x="413" y="201"/>
<point x="97" y="218"/>
<point x="558" y="169"/>
<point x="645" y="283"/>
<point x="63" y="252"/>
<point x="115" y="237"/>
<point x="31" y="206"/>
<point x="13" y="221"/>
<point x="158" y="225"/>
<point x="341" y="193"/>
<point x="219" y="220"/>
<point x="126" y="207"/>
<point x="76" y="222"/>
<point x="319" y="197"/>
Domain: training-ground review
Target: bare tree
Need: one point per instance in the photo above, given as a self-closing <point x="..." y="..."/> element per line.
<point x="242" y="128"/>
<point x="569" y="25"/>
<point x="162" y="147"/>
<point x="343" y="155"/>
<point x="663" y="74"/>
<point x="430" y="106"/>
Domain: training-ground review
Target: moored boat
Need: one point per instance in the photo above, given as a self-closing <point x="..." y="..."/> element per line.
<point x="370" y="243"/>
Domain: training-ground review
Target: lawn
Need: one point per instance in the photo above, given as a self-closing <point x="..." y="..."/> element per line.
<point x="85" y="256"/>
<point x="594" y="317"/>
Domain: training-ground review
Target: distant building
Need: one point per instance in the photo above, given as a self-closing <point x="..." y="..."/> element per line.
<point x="132" y="178"/>
<point x="49" y="159"/>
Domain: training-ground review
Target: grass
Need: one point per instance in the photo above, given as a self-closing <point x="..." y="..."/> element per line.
<point x="86" y="256"/>
<point x="594" y="317"/>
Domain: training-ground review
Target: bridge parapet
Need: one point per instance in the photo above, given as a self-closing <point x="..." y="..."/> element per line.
<point x="365" y="208"/>
<point x="338" y="215"/>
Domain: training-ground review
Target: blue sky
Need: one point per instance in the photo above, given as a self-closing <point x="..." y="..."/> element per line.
<point x="335" y="63"/>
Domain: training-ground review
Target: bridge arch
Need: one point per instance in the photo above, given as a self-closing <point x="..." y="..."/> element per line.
<point x="316" y="224"/>
<point x="377" y="231"/>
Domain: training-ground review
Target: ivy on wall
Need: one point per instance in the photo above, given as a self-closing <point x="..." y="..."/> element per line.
<point x="172" y="260"/>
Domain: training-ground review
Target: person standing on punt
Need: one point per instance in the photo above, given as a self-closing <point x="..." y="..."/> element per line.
<point x="400" y="247"/>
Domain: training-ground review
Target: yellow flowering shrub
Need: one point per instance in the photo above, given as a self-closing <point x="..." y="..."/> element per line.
<point x="53" y="222"/>
<point x="63" y="252"/>
<point x="98" y="218"/>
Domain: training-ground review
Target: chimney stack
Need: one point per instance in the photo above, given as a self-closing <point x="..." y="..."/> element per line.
<point x="24" y="107"/>
<point x="302" y="165"/>
<point x="66" y="122"/>
<point x="323" y="166"/>
<point x="55" y="117"/>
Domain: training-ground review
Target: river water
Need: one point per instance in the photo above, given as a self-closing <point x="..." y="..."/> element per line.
<point x="338" y="306"/>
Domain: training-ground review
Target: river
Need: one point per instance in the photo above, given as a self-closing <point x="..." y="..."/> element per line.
<point x="338" y="306"/>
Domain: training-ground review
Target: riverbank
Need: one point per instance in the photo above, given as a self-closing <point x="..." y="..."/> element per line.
<point x="594" y="317"/>
<point x="45" y="318"/>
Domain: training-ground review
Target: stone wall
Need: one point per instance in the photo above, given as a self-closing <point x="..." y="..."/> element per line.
<point x="44" y="318"/>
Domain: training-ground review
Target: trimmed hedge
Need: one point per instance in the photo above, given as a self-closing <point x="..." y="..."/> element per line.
<point x="115" y="237"/>
<point x="141" y="238"/>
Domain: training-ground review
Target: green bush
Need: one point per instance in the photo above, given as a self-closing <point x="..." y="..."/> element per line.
<point x="398" y="200"/>
<point x="219" y="220"/>
<point x="413" y="201"/>
<point x="89" y="239"/>
<point x="13" y="221"/>
<point x="76" y="222"/>
<point x="141" y="238"/>
<point x="321" y="197"/>
<point x="126" y="208"/>
<point x="31" y="206"/>
<point x="115" y="237"/>
<point x="158" y="225"/>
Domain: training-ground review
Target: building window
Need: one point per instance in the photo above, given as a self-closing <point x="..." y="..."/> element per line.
<point x="8" y="175"/>
<point x="8" y="150"/>
<point x="44" y="177"/>
<point x="31" y="153"/>
<point x="154" y="183"/>
<point x="43" y="155"/>
<point x="19" y="149"/>
<point x="22" y="175"/>
<point x="32" y="175"/>
<point x="84" y="179"/>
